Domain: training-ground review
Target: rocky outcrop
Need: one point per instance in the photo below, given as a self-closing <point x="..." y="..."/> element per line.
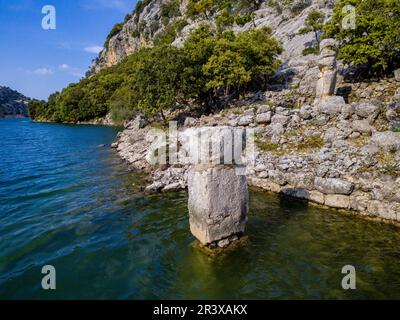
<point x="12" y="103"/>
<point x="348" y="159"/>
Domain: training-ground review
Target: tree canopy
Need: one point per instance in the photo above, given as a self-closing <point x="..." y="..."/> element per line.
<point x="210" y="65"/>
<point x="374" y="41"/>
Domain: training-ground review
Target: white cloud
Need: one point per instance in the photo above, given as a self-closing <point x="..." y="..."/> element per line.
<point x="94" y="49"/>
<point x="64" y="66"/>
<point x="76" y="72"/>
<point x="43" y="71"/>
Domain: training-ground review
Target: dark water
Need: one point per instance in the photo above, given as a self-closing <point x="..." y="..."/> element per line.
<point x="68" y="202"/>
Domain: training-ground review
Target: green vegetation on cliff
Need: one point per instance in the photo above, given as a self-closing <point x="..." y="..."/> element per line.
<point x="214" y="63"/>
<point x="374" y="42"/>
<point x="211" y="65"/>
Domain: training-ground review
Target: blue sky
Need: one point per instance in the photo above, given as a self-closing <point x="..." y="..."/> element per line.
<point x="37" y="62"/>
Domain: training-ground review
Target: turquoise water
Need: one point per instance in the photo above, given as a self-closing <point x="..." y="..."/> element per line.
<point x="67" y="201"/>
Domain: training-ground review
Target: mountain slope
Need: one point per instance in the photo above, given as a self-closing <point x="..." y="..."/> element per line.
<point x="12" y="103"/>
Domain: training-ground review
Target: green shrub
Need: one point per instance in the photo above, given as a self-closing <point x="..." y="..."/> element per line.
<point x="311" y="50"/>
<point x="314" y="23"/>
<point x="375" y="41"/>
<point x="117" y="28"/>
<point x="170" y="9"/>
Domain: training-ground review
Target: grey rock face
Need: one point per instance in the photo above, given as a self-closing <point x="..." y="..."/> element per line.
<point x="218" y="203"/>
<point x="333" y="186"/>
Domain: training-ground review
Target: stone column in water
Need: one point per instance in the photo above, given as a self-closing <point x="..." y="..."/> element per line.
<point x="218" y="202"/>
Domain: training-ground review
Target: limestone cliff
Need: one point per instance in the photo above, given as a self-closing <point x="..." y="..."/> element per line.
<point x="12" y="103"/>
<point x="286" y="18"/>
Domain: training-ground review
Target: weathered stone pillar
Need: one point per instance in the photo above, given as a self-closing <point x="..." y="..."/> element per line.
<point x="326" y="100"/>
<point x="218" y="204"/>
<point x="326" y="84"/>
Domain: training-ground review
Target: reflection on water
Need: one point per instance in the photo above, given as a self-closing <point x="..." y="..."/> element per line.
<point x="68" y="202"/>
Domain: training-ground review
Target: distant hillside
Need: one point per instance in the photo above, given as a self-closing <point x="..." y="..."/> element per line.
<point x="12" y="103"/>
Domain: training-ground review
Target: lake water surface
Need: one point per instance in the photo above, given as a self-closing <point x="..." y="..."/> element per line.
<point x="69" y="202"/>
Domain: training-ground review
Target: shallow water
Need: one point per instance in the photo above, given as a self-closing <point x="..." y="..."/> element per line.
<point x="67" y="201"/>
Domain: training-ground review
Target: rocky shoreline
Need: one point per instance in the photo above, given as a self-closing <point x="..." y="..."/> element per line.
<point x="105" y="121"/>
<point x="342" y="157"/>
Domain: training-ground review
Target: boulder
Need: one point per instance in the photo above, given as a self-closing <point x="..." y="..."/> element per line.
<point x="331" y="105"/>
<point x="172" y="187"/>
<point x="246" y="120"/>
<point x="386" y="140"/>
<point x="347" y="111"/>
<point x="368" y="110"/>
<point x="317" y="197"/>
<point x="359" y="201"/>
<point x="362" y="126"/>
<point x="281" y="119"/>
<point x="218" y="203"/>
<point x="337" y="201"/>
<point x="333" y="186"/>
<point x="263" y="109"/>
<point x="301" y="180"/>
<point x="190" y="122"/>
<point x="264" y="117"/>
<point x="381" y="209"/>
<point x="265" y="184"/>
<point x="277" y="177"/>
<point x="249" y="112"/>
<point x="305" y="112"/>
